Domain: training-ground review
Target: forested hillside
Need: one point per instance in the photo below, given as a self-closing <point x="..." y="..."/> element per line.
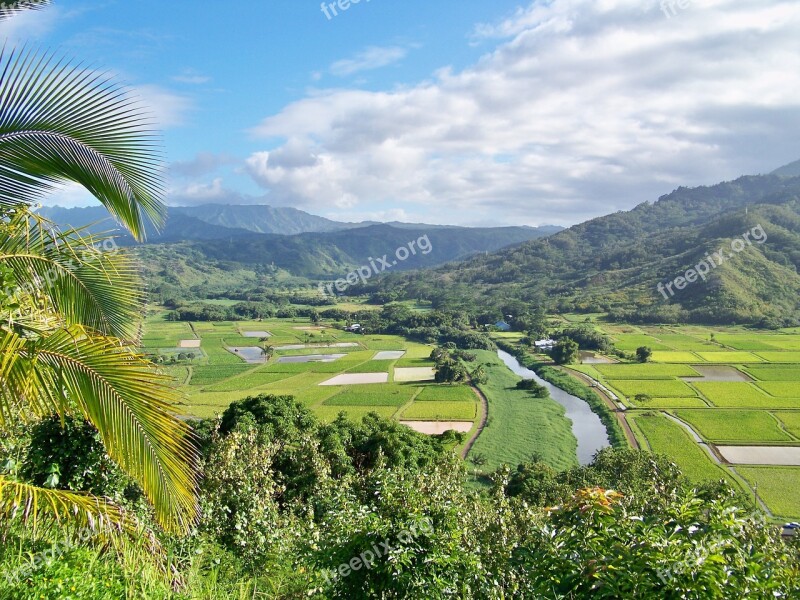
<point x="615" y="263"/>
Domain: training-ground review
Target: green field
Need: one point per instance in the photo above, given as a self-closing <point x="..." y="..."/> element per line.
<point x="665" y="437"/>
<point x="441" y="411"/>
<point x="745" y="426"/>
<point x="721" y="412"/>
<point x="646" y="371"/>
<point x="520" y="426"/>
<point x="673" y="388"/>
<point x="776" y="373"/>
<point x="777" y="487"/>
<point x="218" y="377"/>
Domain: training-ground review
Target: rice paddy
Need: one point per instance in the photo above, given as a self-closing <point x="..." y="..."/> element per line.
<point x="328" y="370"/>
<point x="737" y="389"/>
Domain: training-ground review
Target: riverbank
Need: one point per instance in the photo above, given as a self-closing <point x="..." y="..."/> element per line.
<point x="562" y="380"/>
<point x="519" y="426"/>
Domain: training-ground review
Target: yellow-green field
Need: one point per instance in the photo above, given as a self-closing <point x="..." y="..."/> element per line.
<point x="216" y="376"/>
<point x="750" y="396"/>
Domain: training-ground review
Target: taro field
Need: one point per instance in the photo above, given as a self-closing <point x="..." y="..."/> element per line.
<point x="722" y="402"/>
<point x="328" y="370"/>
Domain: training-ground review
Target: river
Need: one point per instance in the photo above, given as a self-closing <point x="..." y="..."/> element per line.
<point x="586" y="426"/>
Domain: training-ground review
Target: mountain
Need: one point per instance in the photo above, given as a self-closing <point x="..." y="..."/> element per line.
<point x="790" y="170"/>
<point x="263" y="259"/>
<point x="260" y="218"/>
<point x="615" y="263"/>
<point x="205" y="222"/>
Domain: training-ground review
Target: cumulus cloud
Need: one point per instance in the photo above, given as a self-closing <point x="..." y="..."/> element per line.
<point x="202" y="164"/>
<point x="582" y="107"/>
<point x="371" y="58"/>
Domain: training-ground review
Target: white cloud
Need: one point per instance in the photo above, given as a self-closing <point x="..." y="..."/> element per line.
<point x="30" y="24"/>
<point x="585" y="107"/>
<point x="191" y="77"/>
<point x="167" y="108"/>
<point x="371" y="58"/>
<point x="70" y="195"/>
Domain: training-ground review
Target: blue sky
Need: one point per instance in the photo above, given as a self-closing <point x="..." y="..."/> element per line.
<point x="450" y="111"/>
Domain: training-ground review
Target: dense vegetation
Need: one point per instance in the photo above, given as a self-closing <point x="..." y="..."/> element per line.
<point x="289" y="504"/>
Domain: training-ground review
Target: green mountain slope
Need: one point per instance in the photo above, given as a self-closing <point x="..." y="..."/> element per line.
<point x="254" y="260"/>
<point x="615" y="263"/>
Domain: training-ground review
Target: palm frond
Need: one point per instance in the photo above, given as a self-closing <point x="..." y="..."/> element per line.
<point x="9" y="8"/>
<point x="72" y="277"/>
<point x="45" y="508"/>
<point x="61" y="123"/>
<point x="125" y="398"/>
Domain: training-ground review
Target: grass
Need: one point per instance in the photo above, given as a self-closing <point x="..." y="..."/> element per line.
<point x="675" y="357"/>
<point x="645" y="371"/>
<point x="630" y="342"/>
<point x="441" y="411"/>
<point x="446" y="393"/>
<point x="735" y="425"/>
<point x="735" y="394"/>
<point x="210" y="374"/>
<point x="520" y="426"/>
<point x="670" y="403"/>
<point x="655" y="388"/>
<point x="775" y="373"/>
<point x="777" y="487"/>
<point x="248" y="381"/>
<point x="382" y="395"/>
<point x="782" y="389"/>
<point x="780" y="357"/>
<point x="327" y="414"/>
<point x="791" y="421"/>
<point x="667" y="437"/>
<point x="726" y="357"/>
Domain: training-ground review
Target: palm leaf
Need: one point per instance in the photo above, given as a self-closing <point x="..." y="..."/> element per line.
<point x="60" y="123"/>
<point x="9" y="8"/>
<point x="72" y="277"/>
<point x="126" y="399"/>
<point x="41" y="507"/>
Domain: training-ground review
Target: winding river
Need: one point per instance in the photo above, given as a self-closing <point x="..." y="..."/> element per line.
<point x="586" y="426"/>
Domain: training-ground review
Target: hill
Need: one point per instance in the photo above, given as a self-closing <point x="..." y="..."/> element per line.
<point x="615" y="263"/>
<point x="790" y="170"/>
<point x="205" y="222"/>
<point x="255" y="260"/>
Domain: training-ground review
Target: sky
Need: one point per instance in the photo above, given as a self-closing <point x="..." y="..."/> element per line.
<point x="449" y="112"/>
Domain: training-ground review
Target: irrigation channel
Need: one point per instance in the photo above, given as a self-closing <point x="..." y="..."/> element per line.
<point x="586" y="426"/>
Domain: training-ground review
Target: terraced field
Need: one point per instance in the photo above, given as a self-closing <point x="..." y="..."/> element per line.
<point x="217" y="376"/>
<point x="731" y="386"/>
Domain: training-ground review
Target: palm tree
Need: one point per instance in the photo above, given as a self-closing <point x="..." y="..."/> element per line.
<point x="267" y="352"/>
<point x="69" y="312"/>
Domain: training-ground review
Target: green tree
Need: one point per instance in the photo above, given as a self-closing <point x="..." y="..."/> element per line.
<point x="565" y="352"/>
<point x="643" y="354"/>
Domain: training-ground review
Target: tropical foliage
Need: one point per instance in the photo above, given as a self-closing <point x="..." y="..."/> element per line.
<point x="69" y="311"/>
